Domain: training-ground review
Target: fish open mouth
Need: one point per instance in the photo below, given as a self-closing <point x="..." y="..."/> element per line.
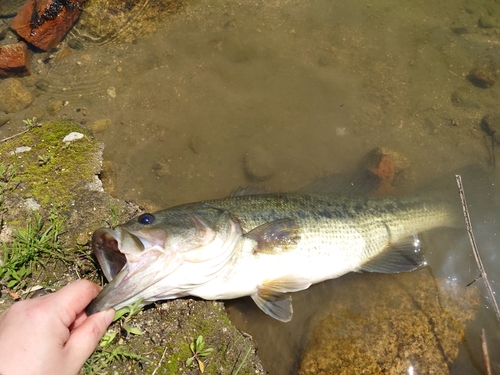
<point x="114" y="249"/>
<point x="109" y="256"/>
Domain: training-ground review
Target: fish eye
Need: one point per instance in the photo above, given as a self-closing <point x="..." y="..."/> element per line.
<point x="146" y="219"/>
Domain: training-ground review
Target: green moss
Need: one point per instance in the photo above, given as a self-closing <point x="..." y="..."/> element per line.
<point x="52" y="168"/>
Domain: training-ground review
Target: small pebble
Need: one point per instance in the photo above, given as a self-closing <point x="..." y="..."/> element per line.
<point x="32" y="204"/>
<point x="111" y="92"/>
<point x="20" y="150"/>
<point x="73" y="136"/>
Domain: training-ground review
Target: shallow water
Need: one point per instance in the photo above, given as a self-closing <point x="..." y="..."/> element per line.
<point x="310" y="87"/>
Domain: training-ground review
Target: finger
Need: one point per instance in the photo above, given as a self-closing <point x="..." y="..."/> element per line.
<point x="84" y="339"/>
<point x="79" y="319"/>
<point x="73" y="298"/>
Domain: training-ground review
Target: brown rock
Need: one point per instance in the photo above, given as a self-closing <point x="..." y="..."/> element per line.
<point x="482" y="77"/>
<point x="14" y="60"/>
<point x="383" y="324"/>
<point x="388" y="170"/>
<point x="44" y="23"/>
<point x="13" y="96"/>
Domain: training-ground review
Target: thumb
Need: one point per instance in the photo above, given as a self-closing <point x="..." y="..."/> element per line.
<point x="84" y="339"/>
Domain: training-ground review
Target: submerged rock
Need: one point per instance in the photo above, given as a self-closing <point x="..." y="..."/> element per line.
<point x="482" y="77"/>
<point x="13" y="96"/>
<point x="391" y="170"/>
<point x="397" y="327"/>
<point x="108" y="21"/>
<point x="258" y="164"/>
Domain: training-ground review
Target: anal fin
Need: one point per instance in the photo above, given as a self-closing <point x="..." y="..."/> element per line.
<point x="404" y="256"/>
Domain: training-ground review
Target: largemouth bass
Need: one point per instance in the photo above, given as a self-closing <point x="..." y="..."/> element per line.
<point x="263" y="246"/>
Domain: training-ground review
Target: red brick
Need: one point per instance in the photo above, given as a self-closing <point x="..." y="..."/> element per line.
<point x="44" y="23"/>
<point x="14" y="60"/>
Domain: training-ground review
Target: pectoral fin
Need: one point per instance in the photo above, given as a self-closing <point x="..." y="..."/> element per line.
<point x="276" y="305"/>
<point x="273" y="300"/>
<point x="276" y="236"/>
<point x="404" y="256"/>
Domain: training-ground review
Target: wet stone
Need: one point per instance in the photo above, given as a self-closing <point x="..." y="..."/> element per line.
<point x="46" y="25"/>
<point x="487" y="22"/>
<point x="258" y="164"/>
<point x="110" y="20"/>
<point x="387" y="332"/>
<point x="100" y="125"/>
<point x="490" y="125"/>
<point x="54" y="106"/>
<point x="482" y="77"/>
<point x="13" y="96"/>
<point x="42" y="84"/>
<point x="14" y="60"/>
<point x="76" y="44"/>
<point x="388" y="171"/>
<point x="459" y="28"/>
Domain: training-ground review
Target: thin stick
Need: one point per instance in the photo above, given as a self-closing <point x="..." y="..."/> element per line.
<point x="161" y="360"/>
<point x="474" y="246"/>
<point x="37" y="125"/>
<point x="486" y="355"/>
<point x="15" y="135"/>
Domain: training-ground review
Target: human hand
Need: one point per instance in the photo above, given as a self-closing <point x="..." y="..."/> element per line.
<point x="51" y="334"/>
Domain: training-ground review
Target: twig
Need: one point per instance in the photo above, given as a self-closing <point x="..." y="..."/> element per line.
<point x="486" y="355"/>
<point x="474" y="246"/>
<point x="15" y="135"/>
<point x="24" y="131"/>
<point x="161" y="360"/>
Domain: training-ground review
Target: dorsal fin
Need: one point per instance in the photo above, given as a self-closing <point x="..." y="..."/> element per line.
<point x="240" y="192"/>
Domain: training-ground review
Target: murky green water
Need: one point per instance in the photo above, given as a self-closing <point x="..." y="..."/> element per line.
<point x="309" y="87"/>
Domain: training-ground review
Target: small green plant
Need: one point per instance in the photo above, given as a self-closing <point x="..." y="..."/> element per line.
<point x="7" y="173"/>
<point x="197" y="349"/>
<point x="7" y="176"/>
<point x="126" y="313"/>
<point x="32" y="244"/>
<point x="31" y="122"/>
<point x="43" y="159"/>
<point x="102" y="358"/>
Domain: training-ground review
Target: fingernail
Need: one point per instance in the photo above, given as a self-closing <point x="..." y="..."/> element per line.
<point x="109" y="316"/>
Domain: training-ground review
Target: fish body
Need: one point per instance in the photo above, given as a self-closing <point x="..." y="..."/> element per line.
<point x="263" y="246"/>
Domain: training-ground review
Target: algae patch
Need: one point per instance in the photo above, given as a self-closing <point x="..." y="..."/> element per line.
<point x="51" y="169"/>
